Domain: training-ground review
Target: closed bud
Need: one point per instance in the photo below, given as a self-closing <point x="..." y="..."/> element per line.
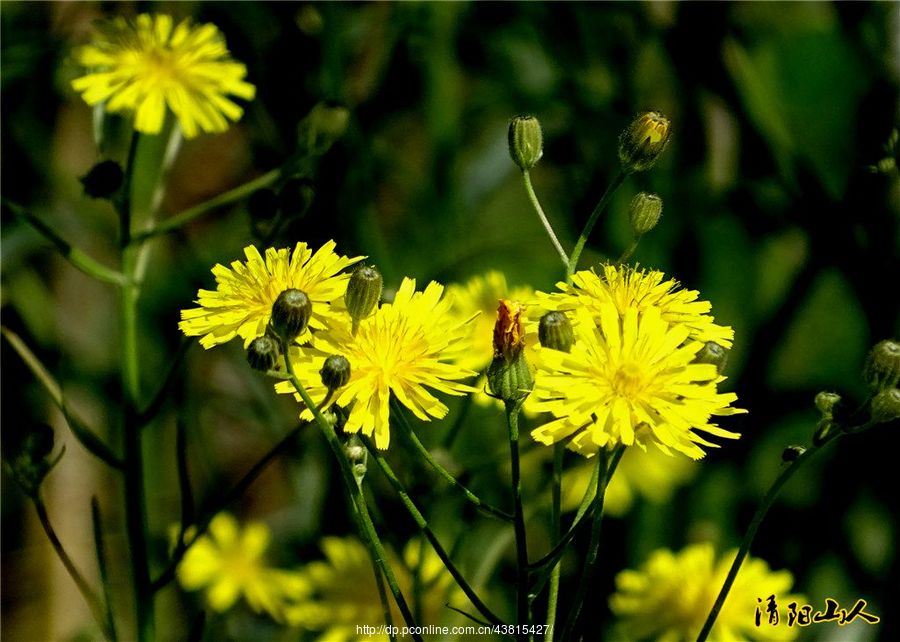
<point x="262" y="205"/>
<point x="356" y="454"/>
<point x="712" y="353"/>
<point x="335" y="372"/>
<point x="792" y="453"/>
<point x="510" y="381"/>
<point x="103" y="180"/>
<point x="641" y="144"/>
<point x="526" y="142"/>
<point x="644" y="212"/>
<point x="882" y="369"/>
<point x="290" y="314"/>
<point x="325" y="123"/>
<point x="886" y="406"/>
<point x="263" y="353"/>
<point x="555" y="331"/>
<point x="509" y="333"/>
<point x="363" y="292"/>
<point x="826" y="402"/>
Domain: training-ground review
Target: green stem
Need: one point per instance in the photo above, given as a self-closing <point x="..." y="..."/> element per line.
<point x="630" y="251"/>
<point x="443" y="472"/>
<point x="512" y="420"/>
<point x="100" y="549"/>
<point x="124" y="202"/>
<point x="589" y="226"/>
<point x="532" y="196"/>
<point x="764" y="506"/>
<point x="355" y="491"/>
<point x="422" y="523"/>
<point x="73" y="255"/>
<point x="555" y="529"/>
<point x="226" y="198"/>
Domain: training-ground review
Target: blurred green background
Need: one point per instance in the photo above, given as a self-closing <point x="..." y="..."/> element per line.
<point x="771" y="211"/>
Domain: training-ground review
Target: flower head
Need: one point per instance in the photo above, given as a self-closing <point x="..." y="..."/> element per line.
<point x="149" y="64"/>
<point x="228" y="562"/>
<point x="669" y="597"/>
<point x="404" y="347"/>
<point x="630" y="380"/>
<point x="241" y="304"/>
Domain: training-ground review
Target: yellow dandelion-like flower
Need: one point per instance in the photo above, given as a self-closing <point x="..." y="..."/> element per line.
<point x="228" y="563"/>
<point x="669" y="597"/>
<point x="626" y="287"/>
<point x="344" y="595"/>
<point x="149" y="64"/>
<point x="403" y="347"/>
<point x="649" y="474"/>
<point x="242" y="302"/>
<point x="628" y="381"/>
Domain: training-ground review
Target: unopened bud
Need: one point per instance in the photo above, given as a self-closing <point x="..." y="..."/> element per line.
<point x="363" y="292"/>
<point x="263" y="353"/>
<point x="103" y="180"/>
<point x="324" y="124"/>
<point x="356" y="454"/>
<point x="335" y="372"/>
<point x="792" y="453"/>
<point x="509" y="333"/>
<point x="644" y="212"/>
<point x="826" y="402"/>
<point x="526" y="142"/>
<point x="290" y="314"/>
<point x="886" y="406"/>
<point x="882" y="369"/>
<point x="712" y="353"/>
<point x="555" y="331"/>
<point x="641" y="144"/>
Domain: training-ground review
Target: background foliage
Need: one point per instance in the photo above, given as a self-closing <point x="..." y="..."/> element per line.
<point x="770" y="211"/>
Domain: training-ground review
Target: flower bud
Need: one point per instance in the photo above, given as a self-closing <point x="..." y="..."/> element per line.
<point x="262" y="205"/>
<point x="509" y="376"/>
<point x="263" y="353"/>
<point x="103" y="180"/>
<point x="791" y="453"/>
<point x="356" y="454"/>
<point x="335" y="372"/>
<point x="509" y="333"/>
<point x="886" y="406"/>
<point x="882" y="369"/>
<point x="526" y="142"/>
<point x="644" y="212"/>
<point x="325" y="123"/>
<point x="363" y="292"/>
<point x="290" y="314"/>
<point x="641" y="144"/>
<point x="555" y="331"/>
<point x="712" y="353"/>
<point x="826" y="402"/>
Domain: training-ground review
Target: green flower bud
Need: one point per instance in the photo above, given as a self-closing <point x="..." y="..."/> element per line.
<point x="826" y="402"/>
<point x="325" y="123"/>
<point x="886" y="406"/>
<point x="335" y="372"/>
<point x="882" y="369"/>
<point x="712" y="353"/>
<point x="510" y="380"/>
<point x="644" y="212"/>
<point x="103" y="180"/>
<point x="641" y="144"/>
<point x="363" y="292"/>
<point x="290" y="314"/>
<point x="555" y="332"/>
<point x="526" y="142"/>
<point x="262" y="205"/>
<point x="263" y="353"/>
<point x="356" y="454"/>
<point x="791" y="453"/>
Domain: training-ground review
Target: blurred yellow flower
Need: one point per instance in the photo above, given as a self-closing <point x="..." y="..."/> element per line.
<point x="344" y="595"/>
<point x="228" y="562"/>
<point x="403" y="347"/>
<point x="669" y="597"/>
<point x="242" y="302"/>
<point x="149" y="64"/>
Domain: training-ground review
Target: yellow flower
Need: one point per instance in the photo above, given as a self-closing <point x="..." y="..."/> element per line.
<point x="649" y="474"/>
<point x="629" y="380"/>
<point x="242" y="302"/>
<point x="401" y="348"/>
<point x="344" y="595"/>
<point x="628" y="287"/>
<point x="669" y="598"/>
<point x="228" y="562"/>
<point x="146" y="65"/>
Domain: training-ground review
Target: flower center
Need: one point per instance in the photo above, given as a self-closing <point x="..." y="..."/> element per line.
<point x="628" y="380"/>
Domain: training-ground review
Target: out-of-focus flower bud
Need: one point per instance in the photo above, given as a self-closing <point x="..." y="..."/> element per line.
<point x="712" y="353"/>
<point x="644" y="212"/>
<point x="555" y="331"/>
<point x="886" y="406"/>
<point x="103" y="180"/>
<point x="882" y="369"/>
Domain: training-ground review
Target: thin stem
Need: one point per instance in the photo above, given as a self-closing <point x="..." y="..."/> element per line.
<point x="764" y="506"/>
<point x="443" y="472"/>
<point x="226" y="198"/>
<point x="355" y="491"/>
<point x="83" y="587"/>
<point x="100" y="549"/>
<point x="630" y="251"/>
<point x="555" y="529"/>
<point x="532" y="196"/>
<point x="73" y="255"/>
<point x="422" y="523"/>
<point x="123" y="203"/>
<point x="512" y="420"/>
<point x="589" y="226"/>
<point x="159" y="397"/>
